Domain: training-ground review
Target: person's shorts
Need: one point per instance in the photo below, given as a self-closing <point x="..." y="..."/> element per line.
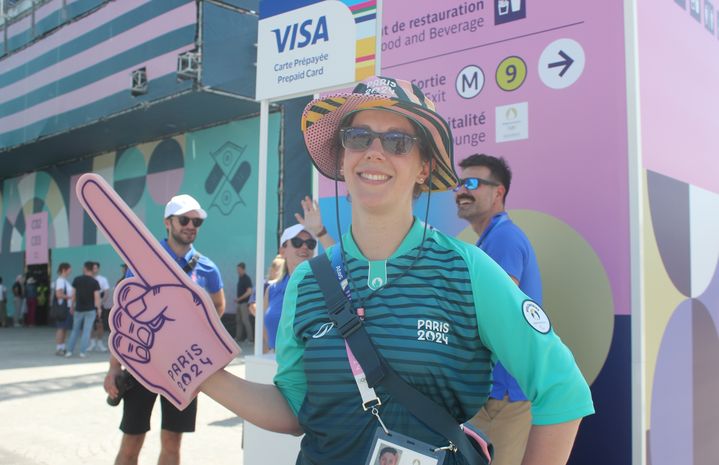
<point x="64" y="324"/>
<point x="137" y="406"/>
<point x="229" y="322"/>
<point x="105" y="318"/>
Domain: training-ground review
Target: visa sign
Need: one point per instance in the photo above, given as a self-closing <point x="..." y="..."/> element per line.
<point x="306" y="49"/>
<point x="309" y="31"/>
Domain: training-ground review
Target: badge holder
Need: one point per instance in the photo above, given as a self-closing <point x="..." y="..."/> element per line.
<point x="405" y="450"/>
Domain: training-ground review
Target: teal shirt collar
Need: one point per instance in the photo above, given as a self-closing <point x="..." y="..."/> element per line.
<point x="410" y="241"/>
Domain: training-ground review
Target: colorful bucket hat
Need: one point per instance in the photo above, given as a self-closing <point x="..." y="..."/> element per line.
<point x="322" y="118"/>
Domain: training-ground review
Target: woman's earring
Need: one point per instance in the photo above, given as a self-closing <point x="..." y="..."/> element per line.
<point x="421" y="180"/>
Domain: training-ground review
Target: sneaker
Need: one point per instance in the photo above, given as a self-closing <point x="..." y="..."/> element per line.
<point x="101" y="347"/>
<point x="83" y="355"/>
<point x="60" y="352"/>
<point x="68" y="354"/>
<point x="91" y="347"/>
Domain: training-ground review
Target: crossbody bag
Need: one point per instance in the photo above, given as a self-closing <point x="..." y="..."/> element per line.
<point x="59" y="311"/>
<point x="192" y="263"/>
<point x="465" y="438"/>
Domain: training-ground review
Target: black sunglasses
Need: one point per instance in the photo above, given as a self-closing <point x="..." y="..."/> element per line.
<point x="474" y="183"/>
<point x="394" y="142"/>
<point x="185" y="220"/>
<point x="297" y="242"/>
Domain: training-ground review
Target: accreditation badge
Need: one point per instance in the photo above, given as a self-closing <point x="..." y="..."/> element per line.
<point x="398" y="449"/>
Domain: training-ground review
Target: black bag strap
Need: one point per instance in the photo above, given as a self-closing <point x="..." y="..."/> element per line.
<point x="54" y="300"/>
<point x="376" y="368"/>
<point x="192" y="263"/>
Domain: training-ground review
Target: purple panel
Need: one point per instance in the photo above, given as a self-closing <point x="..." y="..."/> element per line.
<point x="706" y="386"/>
<point x="685" y="419"/>
<point x="669" y="210"/>
<point x="162" y="186"/>
<point x="671" y="424"/>
<point x="675" y="76"/>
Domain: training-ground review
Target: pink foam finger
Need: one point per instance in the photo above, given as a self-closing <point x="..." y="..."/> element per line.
<point x="131" y="351"/>
<point x="126" y="233"/>
<point x="133" y="331"/>
<point x="128" y="290"/>
<point x="165" y="328"/>
<point x="184" y="351"/>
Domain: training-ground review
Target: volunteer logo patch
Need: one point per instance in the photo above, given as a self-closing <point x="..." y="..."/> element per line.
<point x="376" y="283"/>
<point x="536" y="317"/>
<point x="324" y="329"/>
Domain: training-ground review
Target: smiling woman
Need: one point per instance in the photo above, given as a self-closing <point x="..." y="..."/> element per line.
<point x="437" y="310"/>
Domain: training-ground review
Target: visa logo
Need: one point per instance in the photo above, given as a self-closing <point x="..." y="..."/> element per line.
<point x="306" y="34"/>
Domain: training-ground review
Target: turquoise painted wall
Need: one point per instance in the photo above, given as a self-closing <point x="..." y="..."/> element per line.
<point x="217" y="165"/>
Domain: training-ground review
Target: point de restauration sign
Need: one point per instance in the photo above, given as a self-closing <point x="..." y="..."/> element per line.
<point x="301" y="49"/>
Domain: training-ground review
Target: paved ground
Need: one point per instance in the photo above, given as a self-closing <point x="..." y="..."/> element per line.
<point x="53" y="410"/>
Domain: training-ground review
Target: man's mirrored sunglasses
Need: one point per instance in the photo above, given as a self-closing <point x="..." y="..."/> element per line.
<point x="298" y="241"/>
<point x="393" y="142"/>
<point x="474" y="183"/>
<point x="184" y="221"/>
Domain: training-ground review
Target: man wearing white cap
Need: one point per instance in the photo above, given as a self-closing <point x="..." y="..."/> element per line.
<point x="183" y="218"/>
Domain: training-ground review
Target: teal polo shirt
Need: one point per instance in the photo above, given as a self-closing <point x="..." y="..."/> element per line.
<point x="441" y="325"/>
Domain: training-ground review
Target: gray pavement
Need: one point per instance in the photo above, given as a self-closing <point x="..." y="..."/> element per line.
<point x="53" y="410"/>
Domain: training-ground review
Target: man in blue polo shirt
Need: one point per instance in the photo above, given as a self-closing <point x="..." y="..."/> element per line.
<point x="183" y="218"/>
<point x="480" y="198"/>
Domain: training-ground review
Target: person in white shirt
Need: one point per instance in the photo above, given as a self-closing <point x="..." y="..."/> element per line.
<point x="63" y="294"/>
<point x="98" y="332"/>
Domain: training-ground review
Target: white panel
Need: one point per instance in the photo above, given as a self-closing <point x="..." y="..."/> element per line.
<point x="704" y="236"/>
<point x="262" y="447"/>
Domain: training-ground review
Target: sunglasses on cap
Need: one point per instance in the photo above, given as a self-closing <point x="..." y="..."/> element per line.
<point x="394" y="142"/>
<point x="185" y="220"/>
<point x="474" y="183"/>
<point x="297" y="242"/>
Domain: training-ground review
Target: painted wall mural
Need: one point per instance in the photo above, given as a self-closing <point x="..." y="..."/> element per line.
<point x="216" y="165"/>
<point x="681" y="226"/>
<point x="682" y="322"/>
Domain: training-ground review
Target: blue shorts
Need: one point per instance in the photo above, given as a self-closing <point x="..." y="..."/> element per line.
<point x="64" y="324"/>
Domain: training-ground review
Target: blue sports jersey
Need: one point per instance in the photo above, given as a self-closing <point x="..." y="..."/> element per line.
<point x="510" y="248"/>
<point x="275" y="296"/>
<point x="205" y="274"/>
